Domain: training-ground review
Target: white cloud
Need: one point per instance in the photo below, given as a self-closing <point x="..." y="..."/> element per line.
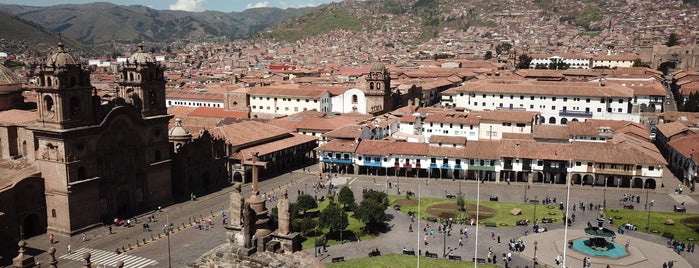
<point x="189" y="5"/>
<point x="258" y="4"/>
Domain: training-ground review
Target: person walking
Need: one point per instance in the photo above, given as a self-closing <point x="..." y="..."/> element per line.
<point x="69" y="251"/>
<point x="51" y="238"/>
<point x="84" y="237"/>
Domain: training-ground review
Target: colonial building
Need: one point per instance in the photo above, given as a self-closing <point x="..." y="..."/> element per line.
<point x="557" y="102"/>
<point x="66" y="154"/>
<point x="627" y="162"/>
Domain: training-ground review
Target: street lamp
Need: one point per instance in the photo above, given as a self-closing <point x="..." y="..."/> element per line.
<point x="536" y="202"/>
<point x="648" y="208"/>
<point x="536" y="262"/>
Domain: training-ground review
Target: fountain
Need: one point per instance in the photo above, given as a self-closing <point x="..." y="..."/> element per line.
<point x="598" y="244"/>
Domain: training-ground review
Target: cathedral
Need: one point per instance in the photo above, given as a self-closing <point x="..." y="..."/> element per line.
<point x="71" y="159"/>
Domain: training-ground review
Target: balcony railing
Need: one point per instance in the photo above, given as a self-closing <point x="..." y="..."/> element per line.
<point x="574" y="113"/>
<point x="511" y="108"/>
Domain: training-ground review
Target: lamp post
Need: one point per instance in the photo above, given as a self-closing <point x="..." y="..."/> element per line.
<point x="526" y="185"/>
<point x="536" y="202"/>
<point x="604" y="202"/>
<point x="167" y="229"/>
<point x="536" y="244"/>
<point x="647" y="208"/>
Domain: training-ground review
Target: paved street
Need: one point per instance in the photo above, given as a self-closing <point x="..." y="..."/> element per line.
<point x="188" y="243"/>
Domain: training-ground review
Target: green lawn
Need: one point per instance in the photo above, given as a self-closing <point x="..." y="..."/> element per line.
<point x="502" y="217"/>
<point x="397" y="260"/>
<point x="657" y="222"/>
<point x="353" y="228"/>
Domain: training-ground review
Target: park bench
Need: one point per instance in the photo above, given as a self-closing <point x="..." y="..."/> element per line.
<point x="628" y="206"/>
<point x="375" y="253"/>
<point x="478" y="260"/>
<point x="493" y="198"/>
<point x="410" y="193"/>
<point x="431" y="255"/>
<point x="432" y="219"/>
<point x="455" y="257"/>
<point x="547" y="220"/>
<point x="680" y="209"/>
<point x="522" y="222"/>
<point x="338" y="259"/>
<point x="490" y="224"/>
<point x="409" y="252"/>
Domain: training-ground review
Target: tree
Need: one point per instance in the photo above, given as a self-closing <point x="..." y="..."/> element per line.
<point x="672" y="40"/>
<point x="371" y="213"/>
<point x="524" y="61"/>
<point x="378" y="197"/>
<point x="346" y="198"/>
<point x="638" y="63"/>
<point x="306" y="202"/>
<point x="666" y="66"/>
<point x="503" y="48"/>
<point x="460" y="202"/>
<point x="488" y="55"/>
<point x="692" y="103"/>
<point x="333" y="218"/>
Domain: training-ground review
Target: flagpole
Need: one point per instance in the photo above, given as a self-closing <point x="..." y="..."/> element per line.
<point x="565" y="221"/>
<point x="419" y="197"/>
<point x="478" y="204"/>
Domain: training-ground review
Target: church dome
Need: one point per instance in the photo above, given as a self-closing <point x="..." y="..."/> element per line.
<point x="378" y="67"/>
<point x="178" y="131"/>
<point x="140" y="56"/>
<point x="8" y="82"/>
<point x="61" y="58"/>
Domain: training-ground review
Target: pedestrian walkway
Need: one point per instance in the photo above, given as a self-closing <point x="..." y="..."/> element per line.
<point x="104" y="258"/>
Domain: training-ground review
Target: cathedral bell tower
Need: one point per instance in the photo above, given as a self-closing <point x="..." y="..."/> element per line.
<point x="378" y="90"/>
<point x="64" y="92"/>
<point x="142" y="83"/>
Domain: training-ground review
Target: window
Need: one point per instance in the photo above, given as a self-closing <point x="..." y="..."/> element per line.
<point x="554" y="98"/>
<point x="501" y="96"/>
<point x="621" y="100"/>
<point x="650" y="168"/>
<point x="587" y="100"/>
<point x="354" y="99"/>
<point x="359" y="158"/>
<point x="53" y="213"/>
<point x="531" y="97"/>
<point x="521" y="97"/>
<point x="520" y="125"/>
<point x="531" y="106"/>
<point x="578" y="164"/>
<point x="553" y="107"/>
<point x="540" y="163"/>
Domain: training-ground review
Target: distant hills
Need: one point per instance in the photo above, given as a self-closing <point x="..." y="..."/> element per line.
<point x="102" y="23"/>
<point x="18" y="29"/>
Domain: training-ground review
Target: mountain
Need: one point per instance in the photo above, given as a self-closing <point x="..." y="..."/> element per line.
<point x="101" y="23"/>
<point x="18" y="29"/>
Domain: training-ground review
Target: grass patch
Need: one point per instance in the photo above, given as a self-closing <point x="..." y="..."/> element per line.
<point x="397" y="260"/>
<point x="501" y="210"/>
<point x="686" y="225"/>
<point x="355" y="228"/>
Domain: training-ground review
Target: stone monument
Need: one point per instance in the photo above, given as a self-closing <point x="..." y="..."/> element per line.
<point x="23" y="259"/>
<point x="284" y="215"/>
<point x="237" y="202"/>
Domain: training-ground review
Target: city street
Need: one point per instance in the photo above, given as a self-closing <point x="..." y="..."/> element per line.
<point x="188" y="243"/>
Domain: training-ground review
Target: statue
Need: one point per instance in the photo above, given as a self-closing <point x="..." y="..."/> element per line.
<point x="284" y="216"/>
<point x="601" y="217"/>
<point x="237" y="202"/>
<point x="248" y="225"/>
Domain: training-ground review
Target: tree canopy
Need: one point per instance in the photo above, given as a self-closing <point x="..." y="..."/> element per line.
<point x="672" y="40"/>
<point x="305" y="202"/>
<point x="524" y="61"/>
<point x="333" y="218"/>
<point x="347" y="197"/>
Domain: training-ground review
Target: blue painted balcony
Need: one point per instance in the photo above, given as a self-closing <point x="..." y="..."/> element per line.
<point x="575" y="113"/>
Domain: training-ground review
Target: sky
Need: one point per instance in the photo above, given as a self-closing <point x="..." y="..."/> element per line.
<point x="188" y="5"/>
